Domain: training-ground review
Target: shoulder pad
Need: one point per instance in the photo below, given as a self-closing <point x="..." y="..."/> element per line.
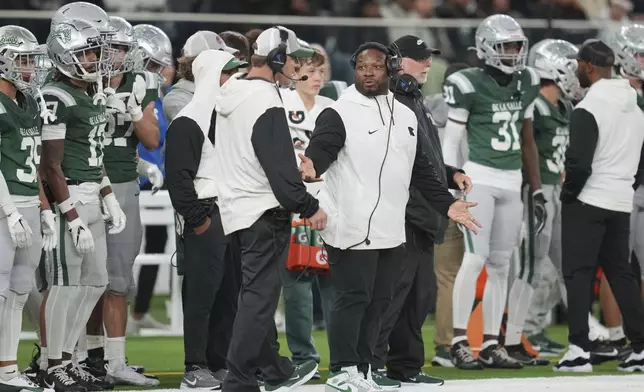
<point x="63" y="96"/>
<point x="542" y="106"/>
<point x="461" y="80"/>
<point x="535" y="80"/>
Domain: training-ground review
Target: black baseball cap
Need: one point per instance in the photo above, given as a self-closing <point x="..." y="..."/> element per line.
<point x="595" y="52"/>
<point x="413" y="47"/>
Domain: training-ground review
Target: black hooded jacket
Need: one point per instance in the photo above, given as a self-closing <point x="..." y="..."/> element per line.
<point x="427" y="225"/>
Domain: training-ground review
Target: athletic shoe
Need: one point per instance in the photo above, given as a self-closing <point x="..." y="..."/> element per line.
<point x="21" y="383"/>
<point x="547" y="348"/>
<point x="94" y="366"/>
<point x="33" y="369"/>
<point x="624" y="349"/>
<point x="496" y="357"/>
<point x="520" y="354"/>
<point x="349" y="379"/>
<point x="302" y="373"/>
<point x="58" y="379"/>
<point x="316" y="376"/>
<point x="602" y="351"/>
<point x="220" y="374"/>
<point x="86" y="379"/>
<point x="634" y="363"/>
<point x="380" y="378"/>
<point x="575" y="360"/>
<point x="200" y="378"/>
<point x="128" y="376"/>
<point x="463" y="358"/>
<point x="442" y="357"/>
<point x="422" y="379"/>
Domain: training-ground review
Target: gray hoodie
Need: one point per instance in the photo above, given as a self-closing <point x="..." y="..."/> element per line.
<point x="178" y="97"/>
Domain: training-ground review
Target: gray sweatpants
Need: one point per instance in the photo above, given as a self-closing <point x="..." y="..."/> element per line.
<point x="18" y="265"/>
<point x="124" y="247"/>
<point x="637" y="227"/>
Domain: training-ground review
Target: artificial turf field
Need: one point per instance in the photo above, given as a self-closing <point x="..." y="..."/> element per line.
<point x="163" y="357"/>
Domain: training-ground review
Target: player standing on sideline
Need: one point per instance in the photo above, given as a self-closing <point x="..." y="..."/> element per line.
<point x="25" y="209"/>
<point x="552" y="110"/>
<point x="72" y="163"/>
<point x="493" y="106"/>
<point x="125" y="129"/>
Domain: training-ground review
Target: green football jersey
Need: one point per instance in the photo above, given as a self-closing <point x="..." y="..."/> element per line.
<point x="20" y="144"/>
<point x="82" y="125"/>
<point x="120" y="139"/>
<point x="551" y="135"/>
<point x="493" y="114"/>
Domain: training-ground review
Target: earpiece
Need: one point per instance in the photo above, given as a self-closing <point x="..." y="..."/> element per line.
<point x="276" y="58"/>
<point x="393" y="61"/>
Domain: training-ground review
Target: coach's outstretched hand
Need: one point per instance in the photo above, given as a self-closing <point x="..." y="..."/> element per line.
<point x="459" y="213"/>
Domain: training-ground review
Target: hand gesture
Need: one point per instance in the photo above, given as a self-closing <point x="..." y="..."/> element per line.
<point x="318" y="220"/>
<point x="116" y="215"/>
<point x="463" y="182"/>
<point x="459" y="213"/>
<point x="48" y="228"/>
<point x="19" y="230"/>
<point x="81" y="236"/>
<point x="307" y="171"/>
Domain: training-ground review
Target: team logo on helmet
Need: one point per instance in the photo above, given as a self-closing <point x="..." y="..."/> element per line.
<point x="10" y="39"/>
<point x="63" y="34"/>
<point x="296" y="117"/>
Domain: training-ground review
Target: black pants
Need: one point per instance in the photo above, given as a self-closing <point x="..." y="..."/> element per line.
<point x="264" y="249"/>
<point x="210" y="289"/>
<point x="593" y="237"/>
<point x="363" y="282"/>
<point x="402" y="325"/>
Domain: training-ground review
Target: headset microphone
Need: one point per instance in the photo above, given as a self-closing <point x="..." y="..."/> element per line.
<point x="302" y="79"/>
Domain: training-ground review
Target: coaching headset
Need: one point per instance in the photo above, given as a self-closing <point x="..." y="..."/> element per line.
<point x="276" y="58"/>
<point x="393" y="61"/>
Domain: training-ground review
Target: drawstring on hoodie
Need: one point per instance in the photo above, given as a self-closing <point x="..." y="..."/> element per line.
<point x="380" y="111"/>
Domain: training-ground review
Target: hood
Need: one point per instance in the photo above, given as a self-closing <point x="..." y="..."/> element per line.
<point x="185" y="85"/>
<point x="351" y="94"/>
<point x="615" y="92"/>
<point x="235" y="91"/>
<point x="207" y="71"/>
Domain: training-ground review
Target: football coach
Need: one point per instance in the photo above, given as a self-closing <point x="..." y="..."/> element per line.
<point x="367" y="147"/>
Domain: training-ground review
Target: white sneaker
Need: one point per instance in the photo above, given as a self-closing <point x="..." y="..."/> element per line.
<point x="128" y="376"/>
<point x="575" y="360"/>
<point x="349" y="379"/>
<point x="21" y="382"/>
<point x="634" y="363"/>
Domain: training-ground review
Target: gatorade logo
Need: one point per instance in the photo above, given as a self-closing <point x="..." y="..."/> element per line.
<point x="302" y="238"/>
<point x="321" y="257"/>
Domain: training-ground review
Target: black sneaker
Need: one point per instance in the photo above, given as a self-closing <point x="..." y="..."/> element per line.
<point x="58" y="379"/>
<point x="634" y="363"/>
<point x="422" y="379"/>
<point x="575" y="360"/>
<point x="302" y="373"/>
<point x="521" y="355"/>
<point x="463" y="358"/>
<point x="91" y="383"/>
<point x="94" y="366"/>
<point x="624" y="349"/>
<point x="496" y="357"/>
<point x="601" y="352"/>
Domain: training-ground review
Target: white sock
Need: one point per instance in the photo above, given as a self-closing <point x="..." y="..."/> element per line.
<point x="11" y="318"/>
<point x="80" y="352"/>
<point x="115" y="352"/>
<point x="458" y="339"/>
<point x="8" y="372"/>
<point x="56" y="310"/>
<point x="519" y="303"/>
<point x="488" y="343"/>
<point x="616" y="333"/>
<point x="83" y="304"/>
<point x="95" y="341"/>
<point x="495" y="293"/>
<point x="42" y="362"/>
<point x="465" y="289"/>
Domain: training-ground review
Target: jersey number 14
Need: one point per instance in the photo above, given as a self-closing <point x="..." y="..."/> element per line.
<point x="508" y="134"/>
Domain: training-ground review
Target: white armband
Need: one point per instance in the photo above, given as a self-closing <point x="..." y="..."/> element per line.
<point x="105" y="182"/>
<point x="66" y="206"/>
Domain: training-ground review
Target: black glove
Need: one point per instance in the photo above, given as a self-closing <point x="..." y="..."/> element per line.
<point x="540" y="213"/>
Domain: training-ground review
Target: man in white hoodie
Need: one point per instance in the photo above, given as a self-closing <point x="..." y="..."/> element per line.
<point x="602" y="161"/>
<point x="258" y="187"/>
<point x="208" y="313"/>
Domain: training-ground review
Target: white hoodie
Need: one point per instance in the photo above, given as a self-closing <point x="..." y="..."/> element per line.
<point x="613" y="103"/>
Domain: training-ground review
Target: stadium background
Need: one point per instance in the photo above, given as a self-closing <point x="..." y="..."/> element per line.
<point x="340" y="26"/>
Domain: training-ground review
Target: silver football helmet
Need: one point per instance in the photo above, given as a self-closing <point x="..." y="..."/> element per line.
<point x="88" y="12"/>
<point x="628" y="46"/>
<point x="501" y="43"/>
<point x="123" y="46"/>
<point x="155" y="49"/>
<point x="551" y="59"/>
<point x="77" y="50"/>
<point x="22" y="58"/>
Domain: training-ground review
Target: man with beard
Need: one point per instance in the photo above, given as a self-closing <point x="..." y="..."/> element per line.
<point x="602" y="161"/>
<point x="368" y="148"/>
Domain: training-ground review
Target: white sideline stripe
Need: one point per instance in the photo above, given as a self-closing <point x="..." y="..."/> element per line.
<point x="551" y="384"/>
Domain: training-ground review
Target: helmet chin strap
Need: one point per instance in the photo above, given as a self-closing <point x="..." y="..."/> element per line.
<point x="99" y="98"/>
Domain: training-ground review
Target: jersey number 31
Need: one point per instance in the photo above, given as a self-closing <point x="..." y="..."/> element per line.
<point x="508" y="133"/>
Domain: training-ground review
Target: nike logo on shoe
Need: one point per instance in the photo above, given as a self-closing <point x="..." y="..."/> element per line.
<point x="295" y="377"/>
<point x="372" y="132"/>
<point x="192" y="383"/>
<point x="488" y="361"/>
<point x="347" y="389"/>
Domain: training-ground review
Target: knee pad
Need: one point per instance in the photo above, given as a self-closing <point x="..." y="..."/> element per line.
<point x="498" y="265"/>
<point x="22" y="280"/>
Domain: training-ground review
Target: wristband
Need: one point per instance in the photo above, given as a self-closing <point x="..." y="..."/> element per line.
<point x="105" y="182"/>
<point x="537" y="192"/>
<point x="136" y="114"/>
<point x="66" y="206"/>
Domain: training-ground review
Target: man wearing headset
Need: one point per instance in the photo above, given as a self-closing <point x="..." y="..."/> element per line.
<point x="401" y="328"/>
<point x="366" y="144"/>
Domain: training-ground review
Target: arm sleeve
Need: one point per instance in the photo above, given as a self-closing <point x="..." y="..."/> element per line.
<point x="183" y="156"/>
<point x="327" y="140"/>
<point x="273" y="147"/>
<point x="579" y="155"/>
<point x="640" y="170"/>
<point x="454" y="133"/>
<point x="57" y="129"/>
<point x="425" y="178"/>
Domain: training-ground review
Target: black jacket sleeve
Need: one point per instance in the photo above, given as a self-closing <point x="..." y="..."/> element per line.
<point x="327" y="140"/>
<point x="184" y="141"/>
<point x="450" y="171"/>
<point x="639" y="175"/>
<point x="579" y="155"/>
<point x="425" y="178"/>
<point x="274" y="149"/>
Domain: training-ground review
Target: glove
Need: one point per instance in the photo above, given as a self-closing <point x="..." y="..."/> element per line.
<point x="156" y="177"/>
<point x="81" y="236"/>
<point x="48" y="228"/>
<point x="540" y="213"/>
<point x="114" y="105"/>
<point x="19" y="230"/>
<point x="116" y="215"/>
<point x="135" y="98"/>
